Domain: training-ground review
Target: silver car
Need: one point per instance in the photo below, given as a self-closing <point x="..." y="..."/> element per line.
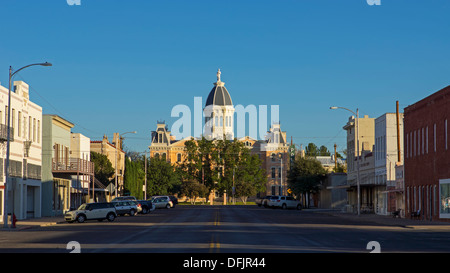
<point x="162" y="202"/>
<point x="125" y="207"/>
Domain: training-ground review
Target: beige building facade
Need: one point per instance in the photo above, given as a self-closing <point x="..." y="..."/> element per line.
<point x="366" y="133"/>
<point x="115" y="155"/>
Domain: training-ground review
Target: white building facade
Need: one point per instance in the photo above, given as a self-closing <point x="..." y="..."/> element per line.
<point x="386" y="155"/>
<point x="24" y="189"/>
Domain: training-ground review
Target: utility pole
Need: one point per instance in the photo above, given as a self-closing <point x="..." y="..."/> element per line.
<point x="399" y="157"/>
<point x="145" y="186"/>
<point x="335" y="158"/>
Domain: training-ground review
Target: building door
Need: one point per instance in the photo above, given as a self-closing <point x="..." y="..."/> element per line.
<point x="30" y="202"/>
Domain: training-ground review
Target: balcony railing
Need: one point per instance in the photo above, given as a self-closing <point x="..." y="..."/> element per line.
<point x="4" y="133"/>
<point x="73" y="165"/>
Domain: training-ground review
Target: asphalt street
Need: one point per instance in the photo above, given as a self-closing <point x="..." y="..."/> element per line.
<point x="225" y="229"/>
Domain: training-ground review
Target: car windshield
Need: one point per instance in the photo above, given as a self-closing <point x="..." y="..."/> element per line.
<point x="82" y="207"/>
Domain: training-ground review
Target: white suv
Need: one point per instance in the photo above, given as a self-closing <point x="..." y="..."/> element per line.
<point x="91" y="211"/>
<point x="284" y="202"/>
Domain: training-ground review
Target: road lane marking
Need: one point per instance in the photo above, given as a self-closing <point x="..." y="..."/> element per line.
<point x="214" y="245"/>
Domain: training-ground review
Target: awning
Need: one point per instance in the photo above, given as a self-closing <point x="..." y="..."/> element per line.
<point x="393" y="190"/>
<point x="338" y="187"/>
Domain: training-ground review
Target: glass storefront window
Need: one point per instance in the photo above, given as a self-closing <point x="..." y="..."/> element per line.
<point x="444" y="197"/>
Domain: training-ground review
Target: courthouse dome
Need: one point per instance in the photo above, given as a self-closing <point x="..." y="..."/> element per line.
<point x="219" y="94"/>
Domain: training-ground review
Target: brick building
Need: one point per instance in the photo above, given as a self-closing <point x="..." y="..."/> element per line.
<point x="427" y="157"/>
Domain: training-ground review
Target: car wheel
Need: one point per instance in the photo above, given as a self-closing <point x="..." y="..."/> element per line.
<point x="132" y="212"/>
<point x="168" y="206"/>
<point x="299" y="207"/>
<point x="81" y="218"/>
<point x="144" y="210"/>
<point x="284" y="206"/>
<point x="110" y="217"/>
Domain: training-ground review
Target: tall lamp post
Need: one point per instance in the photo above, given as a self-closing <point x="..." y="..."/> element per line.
<point x="7" y="184"/>
<point x="115" y="166"/>
<point x="357" y="161"/>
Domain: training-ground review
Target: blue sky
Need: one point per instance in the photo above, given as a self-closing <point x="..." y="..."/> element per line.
<point x="120" y="66"/>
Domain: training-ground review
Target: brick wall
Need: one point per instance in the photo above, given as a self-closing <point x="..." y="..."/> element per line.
<point x="427" y="152"/>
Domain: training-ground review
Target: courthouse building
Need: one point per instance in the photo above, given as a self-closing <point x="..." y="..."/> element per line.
<point x="219" y="115"/>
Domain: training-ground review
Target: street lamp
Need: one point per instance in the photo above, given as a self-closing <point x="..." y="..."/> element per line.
<point x="11" y="75"/>
<point x="115" y="166"/>
<point x="357" y="161"/>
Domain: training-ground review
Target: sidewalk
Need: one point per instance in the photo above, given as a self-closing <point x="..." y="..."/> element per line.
<point x="35" y="222"/>
<point x="387" y="220"/>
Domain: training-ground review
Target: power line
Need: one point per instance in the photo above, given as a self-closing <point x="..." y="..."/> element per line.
<point x="54" y="108"/>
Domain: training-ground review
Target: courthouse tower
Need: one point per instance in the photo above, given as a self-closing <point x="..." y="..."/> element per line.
<point x="219" y="112"/>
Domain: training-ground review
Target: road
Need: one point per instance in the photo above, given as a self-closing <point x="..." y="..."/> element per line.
<point x="224" y="229"/>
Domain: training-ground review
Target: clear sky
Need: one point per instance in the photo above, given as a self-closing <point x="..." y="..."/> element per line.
<point x="121" y="66"/>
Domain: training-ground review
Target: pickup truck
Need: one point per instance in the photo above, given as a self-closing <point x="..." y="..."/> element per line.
<point x="284" y="202"/>
<point x="262" y="201"/>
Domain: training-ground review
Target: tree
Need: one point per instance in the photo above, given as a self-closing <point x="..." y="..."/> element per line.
<point x="193" y="189"/>
<point x="311" y="150"/>
<point x="134" y="177"/>
<point x="250" y="178"/>
<point x="304" y="177"/>
<point x="323" y="151"/>
<point x="162" y="177"/>
<point x="102" y="167"/>
<point x="218" y="164"/>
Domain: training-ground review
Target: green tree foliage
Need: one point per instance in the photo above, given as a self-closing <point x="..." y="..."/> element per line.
<point x="193" y="189"/>
<point x="323" y="151"/>
<point x="216" y="163"/>
<point x="162" y="177"/>
<point x="250" y="178"/>
<point x="304" y="177"/>
<point x="134" y="177"/>
<point x="104" y="170"/>
<point x="312" y="150"/>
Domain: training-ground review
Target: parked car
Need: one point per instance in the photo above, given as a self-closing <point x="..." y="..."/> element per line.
<point x="283" y="202"/>
<point x="91" y="211"/>
<point x="162" y="202"/>
<point x="126" y="207"/>
<point x="174" y="200"/>
<point x="123" y="198"/>
<point x="263" y="201"/>
<point x="146" y="206"/>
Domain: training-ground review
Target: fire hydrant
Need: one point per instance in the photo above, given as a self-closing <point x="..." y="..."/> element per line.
<point x="14" y="220"/>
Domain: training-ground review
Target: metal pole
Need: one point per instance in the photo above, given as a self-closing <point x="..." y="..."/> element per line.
<point x="5" y="216"/>
<point x="115" y="170"/>
<point x="357" y="162"/>
<point x="358" y="177"/>
<point x="145" y="187"/>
